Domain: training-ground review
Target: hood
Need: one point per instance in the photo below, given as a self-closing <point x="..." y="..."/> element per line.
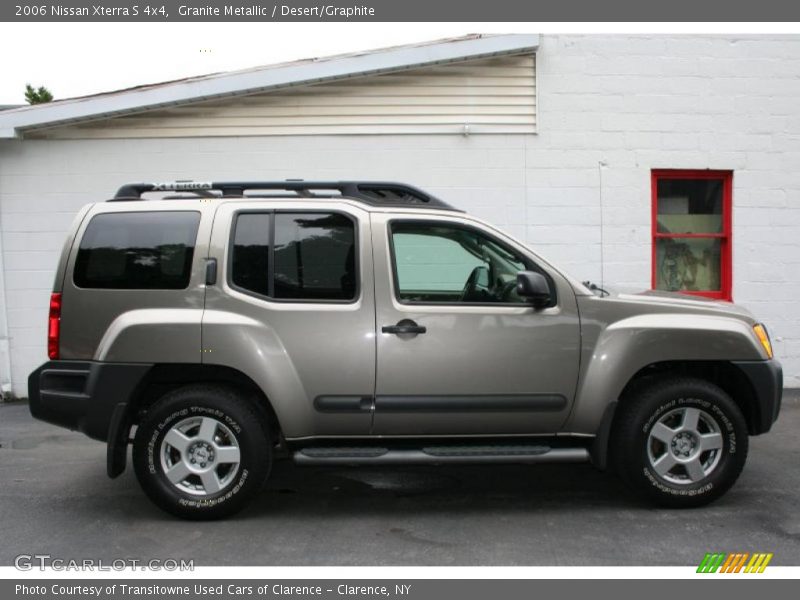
<point x="684" y="302"/>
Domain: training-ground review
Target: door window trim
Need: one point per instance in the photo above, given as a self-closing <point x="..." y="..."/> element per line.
<point x="271" y="266"/>
<point x="530" y="265"/>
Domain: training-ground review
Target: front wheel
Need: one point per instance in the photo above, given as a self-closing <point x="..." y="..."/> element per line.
<point x="681" y="442"/>
<point x="201" y="452"/>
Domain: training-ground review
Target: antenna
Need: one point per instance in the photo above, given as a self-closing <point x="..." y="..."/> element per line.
<point x="601" y="165"/>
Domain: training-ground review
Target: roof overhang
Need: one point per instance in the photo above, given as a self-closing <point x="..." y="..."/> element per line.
<point x="14" y="122"/>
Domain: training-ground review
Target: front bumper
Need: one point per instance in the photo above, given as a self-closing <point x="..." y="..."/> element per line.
<point x="83" y="395"/>
<point x="766" y="379"/>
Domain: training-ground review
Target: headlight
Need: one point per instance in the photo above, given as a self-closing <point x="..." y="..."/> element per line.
<point x="763" y="337"/>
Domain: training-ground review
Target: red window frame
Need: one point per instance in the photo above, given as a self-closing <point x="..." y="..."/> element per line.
<point x="725" y="237"/>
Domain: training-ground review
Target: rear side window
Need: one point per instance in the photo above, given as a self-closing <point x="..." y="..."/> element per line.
<point x="137" y="251"/>
<point x="295" y="256"/>
<point x="314" y="256"/>
<point x="250" y="270"/>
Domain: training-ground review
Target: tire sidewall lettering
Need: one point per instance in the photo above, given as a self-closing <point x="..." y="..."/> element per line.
<point x="662" y="487"/>
<point x="154" y="462"/>
<point x="667" y="406"/>
<point x="211" y="502"/>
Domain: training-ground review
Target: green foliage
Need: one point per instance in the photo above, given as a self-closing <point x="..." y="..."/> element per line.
<point x="37" y="96"/>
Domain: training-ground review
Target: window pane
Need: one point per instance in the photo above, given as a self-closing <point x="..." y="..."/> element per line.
<point x="314" y="257"/>
<point x="251" y="253"/>
<point x="690" y="205"/>
<point x="427" y="263"/>
<point x="688" y="264"/>
<point x="450" y="264"/>
<point x="144" y="250"/>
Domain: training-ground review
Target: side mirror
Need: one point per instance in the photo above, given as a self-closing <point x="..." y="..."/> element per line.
<point x="482" y="278"/>
<point x="534" y="287"/>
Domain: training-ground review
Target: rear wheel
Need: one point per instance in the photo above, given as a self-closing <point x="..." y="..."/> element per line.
<point x="681" y="442"/>
<point x="202" y="452"/>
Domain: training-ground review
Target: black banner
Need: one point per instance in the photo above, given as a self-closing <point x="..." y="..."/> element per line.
<point x="396" y="11"/>
<point x="410" y="589"/>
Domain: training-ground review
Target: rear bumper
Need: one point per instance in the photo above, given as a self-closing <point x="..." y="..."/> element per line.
<point x="83" y="395"/>
<point x="766" y="379"/>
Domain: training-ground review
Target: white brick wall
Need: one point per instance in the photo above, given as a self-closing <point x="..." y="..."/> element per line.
<point x="644" y="102"/>
<point x="633" y="102"/>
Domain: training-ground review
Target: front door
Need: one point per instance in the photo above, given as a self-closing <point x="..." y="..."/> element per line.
<point x="459" y="352"/>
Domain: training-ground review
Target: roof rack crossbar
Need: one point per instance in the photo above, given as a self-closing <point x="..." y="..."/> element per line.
<point x="374" y="193"/>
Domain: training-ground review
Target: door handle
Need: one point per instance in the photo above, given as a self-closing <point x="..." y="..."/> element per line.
<point x="211" y="271"/>
<point x="406" y="326"/>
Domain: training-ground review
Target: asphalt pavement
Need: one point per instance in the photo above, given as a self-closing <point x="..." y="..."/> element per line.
<point x="56" y="499"/>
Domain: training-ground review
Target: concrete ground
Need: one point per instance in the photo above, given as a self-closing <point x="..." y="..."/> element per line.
<point x="56" y="499"/>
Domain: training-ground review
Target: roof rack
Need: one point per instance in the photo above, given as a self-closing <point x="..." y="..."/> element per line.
<point x="374" y="193"/>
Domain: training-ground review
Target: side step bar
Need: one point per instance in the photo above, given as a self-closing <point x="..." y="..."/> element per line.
<point x="463" y="455"/>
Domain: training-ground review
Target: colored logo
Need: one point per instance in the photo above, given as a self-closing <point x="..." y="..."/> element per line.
<point x="735" y="562"/>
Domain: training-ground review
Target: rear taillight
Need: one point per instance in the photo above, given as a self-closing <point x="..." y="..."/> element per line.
<point x="54" y="326"/>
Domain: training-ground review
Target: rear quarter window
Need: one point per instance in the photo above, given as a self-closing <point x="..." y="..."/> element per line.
<point x="137" y="251"/>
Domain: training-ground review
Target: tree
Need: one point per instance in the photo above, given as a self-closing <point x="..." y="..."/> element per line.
<point x="40" y="96"/>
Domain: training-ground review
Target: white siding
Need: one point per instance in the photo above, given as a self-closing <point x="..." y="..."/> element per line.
<point x="489" y="96"/>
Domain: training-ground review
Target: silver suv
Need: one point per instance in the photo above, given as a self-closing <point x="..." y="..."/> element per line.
<point x="220" y="326"/>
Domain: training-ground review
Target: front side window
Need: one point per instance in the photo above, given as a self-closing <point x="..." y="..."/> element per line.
<point x="295" y="256"/>
<point x="444" y="263"/>
<point x="137" y="251"/>
<point x="691" y="232"/>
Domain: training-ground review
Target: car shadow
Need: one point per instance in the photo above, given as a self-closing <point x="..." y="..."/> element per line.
<point x="370" y="490"/>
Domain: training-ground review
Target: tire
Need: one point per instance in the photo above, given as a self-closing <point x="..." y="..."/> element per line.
<point x="186" y="449"/>
<point x="680" y="442"/>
